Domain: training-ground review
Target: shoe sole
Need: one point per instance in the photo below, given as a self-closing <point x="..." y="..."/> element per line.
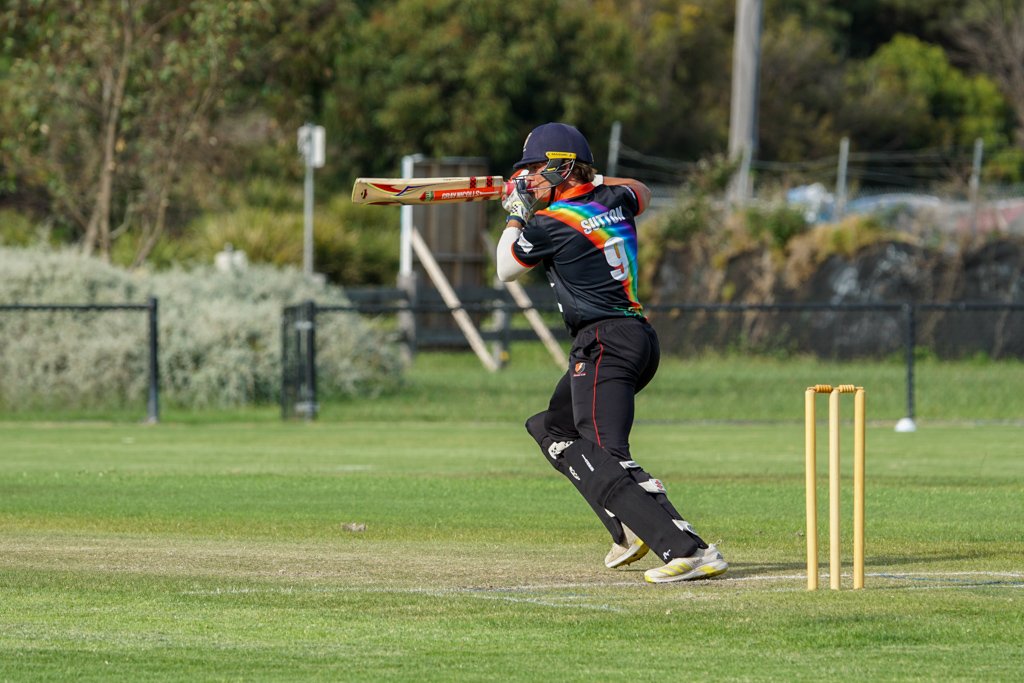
<point x="635" y="553"/>
<point x="705" y="571"/>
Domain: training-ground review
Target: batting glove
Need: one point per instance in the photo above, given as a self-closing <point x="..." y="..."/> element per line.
<point x="519" y="204"/>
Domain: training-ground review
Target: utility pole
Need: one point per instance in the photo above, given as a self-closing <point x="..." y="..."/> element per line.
<point x="614" y="143"/>
<point x="746" y="58"/>
<point x="311" y="147"/>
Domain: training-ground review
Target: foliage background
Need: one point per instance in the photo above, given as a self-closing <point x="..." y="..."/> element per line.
<point x="167" y="129"/>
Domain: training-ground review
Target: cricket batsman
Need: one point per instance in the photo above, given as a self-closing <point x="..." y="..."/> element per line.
<point x="580" y="227"/>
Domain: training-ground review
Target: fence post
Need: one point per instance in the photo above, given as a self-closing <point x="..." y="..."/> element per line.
<point x="153" y="402"/>
<point x="907" y="424"/>
<point x="309" y="385"/>
<point x="286" y="402"/>
<point x="407" y="317"/>
<point x="975" y="184"/>
<point x="844" y="159"/>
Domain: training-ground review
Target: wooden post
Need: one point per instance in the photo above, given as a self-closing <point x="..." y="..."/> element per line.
<point x="451" y="300"/>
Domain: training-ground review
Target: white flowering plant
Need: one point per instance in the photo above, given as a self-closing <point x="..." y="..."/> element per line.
<point x="219" y="335"/>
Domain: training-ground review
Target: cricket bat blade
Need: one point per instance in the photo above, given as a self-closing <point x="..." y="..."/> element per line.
<point x="397" y="191"/>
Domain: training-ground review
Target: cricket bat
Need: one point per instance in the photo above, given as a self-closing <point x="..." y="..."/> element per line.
<point x="390" y="191"/>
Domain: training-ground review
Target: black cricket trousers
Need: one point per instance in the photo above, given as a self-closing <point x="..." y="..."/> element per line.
<point x="610" y="361"/>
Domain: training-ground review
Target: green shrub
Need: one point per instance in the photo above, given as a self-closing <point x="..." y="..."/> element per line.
<point x="18" y="230"/>
<point x="690" y="216"/>
<point x="219" y="336"/>
<point x="266" y="235"/>
<point x="852" y="234"/>
<point x="776" y="224"/>
<point x="362" y="245"/>
<point x="697" y="209"/>
<point x="352" y="245"/>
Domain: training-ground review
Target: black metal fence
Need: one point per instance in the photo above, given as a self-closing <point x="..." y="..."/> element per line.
<point x="838" y="331"/>
<point x="826" y="330"/>
<point x="844" y="331"/>
<point x="298" y="361"/>
<point x="151" y="308"/>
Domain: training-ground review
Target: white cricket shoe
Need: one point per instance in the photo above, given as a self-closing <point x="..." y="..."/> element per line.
<point x="631" y="550"/>
<point x="703" y="565"/>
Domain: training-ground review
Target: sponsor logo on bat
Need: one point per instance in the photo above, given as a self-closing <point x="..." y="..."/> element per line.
<point x="465" y="193"/>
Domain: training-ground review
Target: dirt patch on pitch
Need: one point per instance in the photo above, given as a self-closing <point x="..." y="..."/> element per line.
<point x="352" y="560"/>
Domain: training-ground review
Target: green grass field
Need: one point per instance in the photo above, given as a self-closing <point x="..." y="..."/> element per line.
<point x="221" y="547"/>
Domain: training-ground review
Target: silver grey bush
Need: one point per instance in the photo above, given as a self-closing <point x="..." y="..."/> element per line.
<point x="219" y="335"/>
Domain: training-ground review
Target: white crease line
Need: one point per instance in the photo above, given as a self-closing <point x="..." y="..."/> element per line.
<point x="494" y="593"/>
<point x="555" y="586"/>
<point x="480" y="593"/>
<point x="961" y="586"/>
<point x="545" y="603"/>
<point x="769" y="577"/>
<point x="1012" y="575"/>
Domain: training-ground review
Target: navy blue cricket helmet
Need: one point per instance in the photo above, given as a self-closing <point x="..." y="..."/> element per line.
<point x="552" y="141"/>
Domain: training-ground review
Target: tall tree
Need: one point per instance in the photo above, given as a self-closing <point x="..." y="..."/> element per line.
<point x="908" y="96"/>
<point x="109" y="98"/>
<point x="684" y="54"/>
<point x="873" y="23"/>
<point x="444" y="77"/>
<point x="801" y="84"/>
<point x="990" y="37"/>
<point x="296" y="63"/>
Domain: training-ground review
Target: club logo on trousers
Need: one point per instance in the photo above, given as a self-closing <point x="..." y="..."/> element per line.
<point x="579" y="370"/>
<point x="574" y="475"/>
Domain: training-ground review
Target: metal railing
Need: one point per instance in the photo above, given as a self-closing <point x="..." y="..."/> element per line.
<point x="835" y="342"/>
<point x="818" y="328"/>
<point x="151" y="308"/>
